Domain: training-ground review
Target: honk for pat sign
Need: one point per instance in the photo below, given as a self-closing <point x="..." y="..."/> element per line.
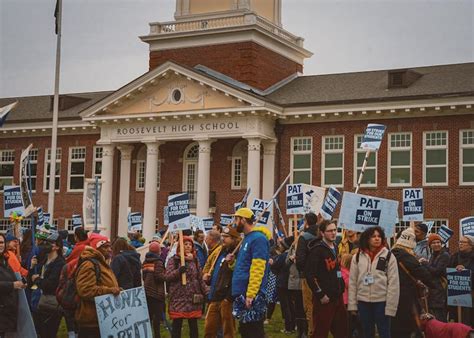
<point x="125" y="315"/>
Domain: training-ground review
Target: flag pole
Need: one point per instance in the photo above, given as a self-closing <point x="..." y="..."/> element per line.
<point x="54" y="133"/>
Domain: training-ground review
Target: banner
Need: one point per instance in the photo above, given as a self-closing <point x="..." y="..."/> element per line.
<point x="459" y="287"/>
<point x="445" y="233"/>
<point x="25" y="183"/>
<point x="466" y="225"/>
<point x="373" y="137"/>
<point x="208" y="222"/>
<point x="359" y="212"/>
<point x="76" y="221"/>
<point x="166" y="220"/>
<point x="413" y="204"/>
<point x="135" y="221"/>
<point x="125" y="315"/>
<point x="89" y="201"/>
<point x="330" y="203"/>
<point x="39" y="210"/>
<point x="304" y="198"/>
<point x="12" y="201"/>
<point x="226" y="219"/>
<point x="178" y="212"/>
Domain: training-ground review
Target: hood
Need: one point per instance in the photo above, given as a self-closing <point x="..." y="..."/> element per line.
<point x="90" y="252"/>
<point x="132" y="256"/>
<point x="264" y="230"/>
<point x="151" y="257"/>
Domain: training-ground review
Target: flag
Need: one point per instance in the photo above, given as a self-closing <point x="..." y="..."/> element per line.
<point x="4" y="111"/>
<point x="56" y="16"/>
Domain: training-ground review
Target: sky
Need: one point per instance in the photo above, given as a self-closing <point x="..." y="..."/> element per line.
<point x="101" y="49"/>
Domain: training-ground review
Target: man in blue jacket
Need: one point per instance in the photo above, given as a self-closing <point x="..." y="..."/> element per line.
<point x="251" y="269"/>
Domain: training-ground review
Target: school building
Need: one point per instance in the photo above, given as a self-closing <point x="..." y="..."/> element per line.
<point x="225" y="106"/>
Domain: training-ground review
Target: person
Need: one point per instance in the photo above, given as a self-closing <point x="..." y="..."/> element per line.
<point x="271" y="287"/>
<point x="422" y="249"/>
<point x="324" y="277"/>
<point x="437" y="265"/>
<point x="280" y="268"/>
<point x="349" y="243"/>
<point x="81" y="240"/>
<point x="126" y="264"/>
<point x="213" y="242"/>
<point x="217" y="227"/>
<point x="200" y="248"/>
<point x="187" y="300"/>
<point x="464" y="259"/>
<point x="9" y="286"/>
<point x="251" y="272"/>
<point x="311" y="232"/>
<point x="374" y="283"/>
<point x="153" y="270"/>
<point x="48" y="317"/>
<point x="136" y="239"/>
<point x="353" y="323"/>
<point x="432" y="328"/>
<point x="26" y="249"/>
<point x="412" y="276"/>
<point x="88" y="286"/>
<point x="219" y="312"/>
<point x="12" y="250"/>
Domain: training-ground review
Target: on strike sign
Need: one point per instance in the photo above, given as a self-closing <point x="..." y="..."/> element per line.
<point x="413" y="204"/>
<point x="178" y="212"/>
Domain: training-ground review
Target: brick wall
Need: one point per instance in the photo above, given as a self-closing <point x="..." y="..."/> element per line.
<point x="247" y="62"/>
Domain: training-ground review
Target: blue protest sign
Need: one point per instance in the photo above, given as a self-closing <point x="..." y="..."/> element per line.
<point x="196" y="223"/>
<point x="294" y="199"/>
<point x="76" y="221"/>
<point x="12" y="201"/>
<point x="459" y="287"/>
<point x="445" y="233"/>
<point x="330" y="203"/>
<point x="178" y="212"/>
<point x="430" y="225"/>
<point x="40" y="216"/>
<point x="360" y="212"/>
<point x="258" y="206"/>
<point x="466" y="225"/>
<point x="208" y="222"/>
<point x="413" y="204"/>
<point x="373" y="137"/>
<point x="303" y="198"/>
<point x="47" y="218"/>
<point x="134" y="221"/>
<point x="226" y="219"/>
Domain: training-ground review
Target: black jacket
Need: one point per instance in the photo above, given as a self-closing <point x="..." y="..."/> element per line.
<point x="323" y="272"/>
<point x="465" y="259"/>
<point x="437" y="268"/>
<point x="281" y="270"/>
<point x="127" y="268"/>
<point x="223" y="287"/>
<point x="8" y="298"/>
<point x="52" y="272"/>
<point x="302" y="249"/>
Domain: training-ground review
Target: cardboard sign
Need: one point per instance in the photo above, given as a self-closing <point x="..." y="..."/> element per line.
<point x="135" y="221"/>
<point x="25" y="183"/>
<point x="89" y="202"/>
<point x="360" y="212"/>
<point x="459" y="287"/>
<point x="12" y="201"/>
<point x="413" y="204"/>
<point x="178" y="212"/>
<point x="373" y="136"/>
<point x="125" y="315"/>
<point x="226" y="219"/>
<point x="76" y="221"/>
<point x="330" y="203"/>
<point x="445" y="233"/>
<point x="466" y="225"/>
<point x="304" y="198"/>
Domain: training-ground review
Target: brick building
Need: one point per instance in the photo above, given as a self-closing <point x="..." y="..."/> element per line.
<point x="224" y="107"/>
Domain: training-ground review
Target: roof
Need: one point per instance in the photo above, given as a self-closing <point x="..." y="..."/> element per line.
<point x="436" y="81"/>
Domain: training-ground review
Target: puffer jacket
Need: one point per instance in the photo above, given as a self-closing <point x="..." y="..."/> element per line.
<point x="251" y="268"/>
<point x="127" y="268"/>
<point x="437" y="267"/>
<point x="8" y="297"/>
<point x="153" y="270"/>
<point x="87" y="287"/>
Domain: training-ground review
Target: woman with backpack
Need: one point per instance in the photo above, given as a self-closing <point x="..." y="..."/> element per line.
<point x="437" y="265"/>
<point x="374" y="284"/>
<point x="126" y="264"/>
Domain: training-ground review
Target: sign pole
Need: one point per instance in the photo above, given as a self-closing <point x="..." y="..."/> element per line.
<point x="361" y="175"/>
<point x="459" y="314"/>
<point x="96" y="202"/>
<point x="33" y="223"/>
<point x="181" y="254"/>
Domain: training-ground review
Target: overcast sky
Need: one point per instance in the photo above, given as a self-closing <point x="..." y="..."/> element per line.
<point x="101" y="49"/>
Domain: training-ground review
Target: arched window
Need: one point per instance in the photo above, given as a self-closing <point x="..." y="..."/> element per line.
<point x="141" y="170"/>
<point x="190" y="169"/>
<point x="239" y="165"/>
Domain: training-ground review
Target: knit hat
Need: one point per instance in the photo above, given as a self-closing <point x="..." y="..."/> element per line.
<point x="423" y="227"/>
<point x="154" y="247"/>
<point x="231" y="231"/>
<point x="407" y="238"/>
<point x="434" y="237"/>
<point x="97" y="240"/>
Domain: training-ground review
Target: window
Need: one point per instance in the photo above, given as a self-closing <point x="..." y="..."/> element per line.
<point x="47" y="161"/>
<point x="97" y="163"/>
<point x="400" y="226"/>
<point x="191" y="156"/>
<point x="435" y="158"/>
<point x="33" y="168"/>
<point x="399" y="159"/>
<point x="77" y="167"/>
<point x="141" y="170"/>
<point x="4" y="225"/>
<point x="437" y="224"/>
<point x="239" y="165"/>
<point x="301" y="159"/>
<point x="333" y="161"/>
<point x="7" y="167"/>
<point x="370" y="173"/>
<point x="466" y="166"/>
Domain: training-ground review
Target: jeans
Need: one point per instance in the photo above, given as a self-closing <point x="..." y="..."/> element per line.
<point x="372" y="314"/>
<point x="287" y="309"/>
<point x="252" y="330"/>
<point x="178" y="323"/>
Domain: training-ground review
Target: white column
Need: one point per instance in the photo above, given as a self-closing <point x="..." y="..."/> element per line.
<point x="204" y="172"/>
<point x="253" y="168"/>
<point x="124" y="199"/>
<point x="268" y="169"/>
<point x="151" y="175"/>
<point x="106" y="192"/>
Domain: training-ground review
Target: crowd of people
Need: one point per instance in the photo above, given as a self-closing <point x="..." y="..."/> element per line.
<point x="350" y="287"/>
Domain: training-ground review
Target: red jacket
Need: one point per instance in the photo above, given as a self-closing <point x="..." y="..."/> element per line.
<point x="15" y="263"/>
<point x="437" y="329"/>
<point x="76" y="252"/>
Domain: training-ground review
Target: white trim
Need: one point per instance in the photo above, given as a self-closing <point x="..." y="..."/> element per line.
<point x="95" y="160"/>
<point x="35" y="161"/>
<point x="190" y="161"/>
<point x="323" y="160"/>
<point x="389" y="159"/>
<point x="137" y="176"/>
<point x="8" y="162"/>
<point x="301" y="152"/>
<point x="444" y="147"/>
<point x="357" y="151"/>
<point x="46" y="171"/>
<point x="232" y="184"/>
<point x="70" y="161"/>
<point x="461" y="159"/>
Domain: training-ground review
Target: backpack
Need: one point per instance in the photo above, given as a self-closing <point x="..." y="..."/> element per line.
<point x="66" y="293"/>
<point x="387" y="259"/>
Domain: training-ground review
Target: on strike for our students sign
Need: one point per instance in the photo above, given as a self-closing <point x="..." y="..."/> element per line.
<point x="459" y="287"/>
<point x="413" y="204"/>
<point x="12" y="201"/>
<point x="178" y="212"/>
<point x="373" y="136"/>
<point x="466" y="225"/>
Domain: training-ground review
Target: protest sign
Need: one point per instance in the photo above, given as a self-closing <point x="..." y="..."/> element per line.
<point x="89" y="202"/>
<point x="208" y="222"/>
<point x="196" y="223"/>
<point x="294" y="199"/>
<point x="360" y="212"/>
<point x="429" y="224"/>
<point x="226" y="219"/>
<point x="413" y="204"/>
<point x="125" y="315"/>
<point x="47" y="218"/>
<point x="178" y="212"/>
<point x="258" y="206"/>
<point x="459" y="287"/>
<point x="12" y="201"/>
<point x="25" y="326"/>
<point x="134" y="221"/>
<point x="25" y="183"/>
<point x="466" y="225"/>
<point x="39" y="210"/>
<point x="445" y="233"/>
<point x="303" y="198"/>
<point x="373" y="137"/>
<point x="76" y="221"/>
<point x="330" y="203"/>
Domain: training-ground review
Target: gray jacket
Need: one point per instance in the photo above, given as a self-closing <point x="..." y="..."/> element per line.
<point x="294" y="280"/>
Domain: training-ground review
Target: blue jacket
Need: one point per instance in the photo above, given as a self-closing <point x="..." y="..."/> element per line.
<point x="251" y="268"/>
<point x="201" y="254"/>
